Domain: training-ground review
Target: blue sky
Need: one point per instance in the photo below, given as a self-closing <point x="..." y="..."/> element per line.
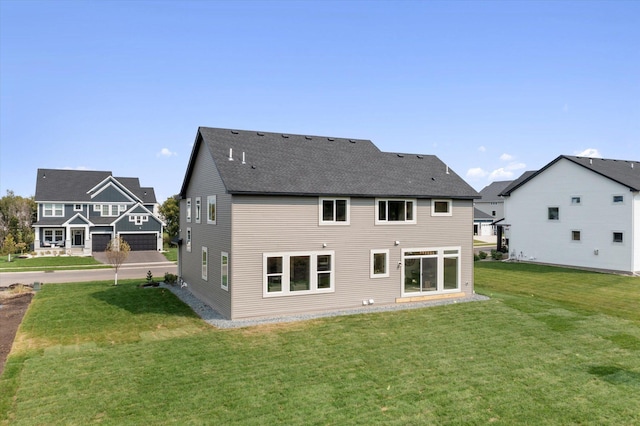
<point x="492" y="88"/>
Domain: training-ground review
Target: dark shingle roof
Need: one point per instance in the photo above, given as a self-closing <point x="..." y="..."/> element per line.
<point x="288" y="164"/>
<point x="479" y="214"/>
<point x="492" y="191"/>
<point x="72" y="185"/>
<point x="624" y="172"/>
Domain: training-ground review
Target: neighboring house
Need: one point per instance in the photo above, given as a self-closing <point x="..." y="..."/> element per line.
<point x="576" y="211"/>
<point x="482" y="223"/>
<point x="277" y="224"/>
<point x="80" y="211"/>
<point x="491" y="202"/>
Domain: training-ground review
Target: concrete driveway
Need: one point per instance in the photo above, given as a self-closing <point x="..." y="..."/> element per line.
<point x="143" y="257"/>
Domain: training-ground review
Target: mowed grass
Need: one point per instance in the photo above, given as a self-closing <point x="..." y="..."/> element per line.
<point x="47" y="263"/>
<point x="94" y="353"/>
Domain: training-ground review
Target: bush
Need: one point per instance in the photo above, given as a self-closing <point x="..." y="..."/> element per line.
<point x="170" y="278"/>
<point x="482" y="255"/>
<point x="476" y="257"/>
<point x="496" y="255"/>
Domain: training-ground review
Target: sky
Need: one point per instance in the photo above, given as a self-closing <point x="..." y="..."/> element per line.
<point x="493" y="88"/>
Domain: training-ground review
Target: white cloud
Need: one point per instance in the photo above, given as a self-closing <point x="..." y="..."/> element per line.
<point x="506" y="157"/>
<point x="501" y="174"/>
<point x="482" y="149"/>
<point x="165" y="152"/>
<point x="515" y="166"/>
<point x="589" y="152"/>
<point x="476" y="173"/>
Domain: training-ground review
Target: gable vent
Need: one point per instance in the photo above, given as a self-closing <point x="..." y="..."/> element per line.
<point x="308" y="138"/>
<point x="400" y="155"/>
<point x="285" y="136"/>
<point x="235" y="132"/>
<point x="260" y="134"/>
<point x="331" y="139"/>
<point x="420" y="156"/>
<point x="352" y="141"/>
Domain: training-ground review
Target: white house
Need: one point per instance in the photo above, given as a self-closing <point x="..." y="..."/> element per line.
<point x="576" y="211"/>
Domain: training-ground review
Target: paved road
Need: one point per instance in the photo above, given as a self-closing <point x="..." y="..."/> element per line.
<point x="126" y="271"/>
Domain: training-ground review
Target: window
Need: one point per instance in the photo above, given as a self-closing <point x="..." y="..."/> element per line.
<point x="198" y="208"/>
<point x="334" y="211"/>
<point x="189" y="240"/>
<point x="287" y="274"/>
<point x="188" y="209"/>
<point x="77" y="207"/>
<point x="398" y="211"/>
<point x="53" y="236"/>
<point x="53" y="210"/>
<point x="110" y="210"/>
<point x="431" y="271"/>
<point x="575" y="235"/>
<point x="553" y="213"/>
<point x="224" y="270"/>
<point x="379" y="263"/>
<point x="493" y="212"/>
<point x="618" y="199"/>
<point x="211" y="209"/>
<point x="441" y="208"/>
<point x="139" y="219"/>
<point x="576" y="201"/>
<point x="618" y="237"/>
<point x="205" y="261"/>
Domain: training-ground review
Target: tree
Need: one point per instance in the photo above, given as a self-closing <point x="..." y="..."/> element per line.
<point x="16" y="217"/>
<point x="117" y="252"/>
<point x="170" y="211"/>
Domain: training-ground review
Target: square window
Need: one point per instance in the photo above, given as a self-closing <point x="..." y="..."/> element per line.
<point x="379" y="263"/>
<point x="576" y="200"/>
<point x="553" y="213"/>
<point x="334" y="211"/>
<point x="441" y="208"/>
<point x="618" y="237"/>
<point x="575" y="235"/>
<point x="77" y="207"/>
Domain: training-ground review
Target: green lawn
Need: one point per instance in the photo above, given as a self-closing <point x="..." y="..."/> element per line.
<point x="542" y="351"/>
<point x="47" y="263"/>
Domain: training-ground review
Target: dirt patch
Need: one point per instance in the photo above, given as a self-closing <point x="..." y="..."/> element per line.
<point x="12" y="309"/>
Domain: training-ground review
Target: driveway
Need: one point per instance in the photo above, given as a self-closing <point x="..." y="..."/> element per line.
<point x="149" y="256"/>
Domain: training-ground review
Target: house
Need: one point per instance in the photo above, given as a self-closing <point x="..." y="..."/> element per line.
<point x="80" y="211"/>
<point x="277" y="224"/>
<point x="576" y="211"/>
<point x="491" y="202"/>
<point x="482" y="223"/>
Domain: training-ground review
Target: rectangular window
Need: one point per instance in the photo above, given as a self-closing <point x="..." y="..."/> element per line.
<point x="379" y="263"/>
<point x="287" y="274"/>
<point x="575" y="235"/>
<point x="211" y="209"/>
<point x="198" y="208"/>
<point x="189" y="240"/>
<point x="53" y="210"/>
<point x="77" y="207"/>
<point x="431" y="271"/>
<point x="441" y="208"/>
<point x="396" y="211"/>
<point x="618" y="237"/>
<point x="618" y="199"/>
<point x="334" y="211"/>
<point x="188" y="210"/>
<point x="224" y="271"/>
<point x="53" y="236"/>
<point x="553" y="213"/>
<point x="576" y="201"/>
<point x="205" y="261"/>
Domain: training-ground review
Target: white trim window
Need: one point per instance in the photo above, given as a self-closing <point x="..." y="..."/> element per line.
<point x="224" y="270"/>
<point x="77" y="207"/>
<point x="189" y="239"/>
<point x="198" y="208"/>
<point x="430" y="270"/>
<point x="109" y="210"/>
<point x="576" y="236"/>
<point x="441" y="208"/>
<point x="294" y="273"/>
<point x="395" y="211"/>
<point x="188" y="213"/>
<point x="211" y="210"/>
<point x="379" y="263"/>
<point x="205" y="263"/>
<point x="53" y="235"/>
<point x="334" y="211"/>
<point x="138" y="219"/>
<point x="52" y="210"/>
<point x="576" y="200"/>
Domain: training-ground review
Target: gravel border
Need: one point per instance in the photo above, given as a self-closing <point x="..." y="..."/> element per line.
<point x="212" y="317"/>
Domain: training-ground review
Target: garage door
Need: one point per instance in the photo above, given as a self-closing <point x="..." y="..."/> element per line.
<point x="139" y="242"/>
<point x="99" y="242"/>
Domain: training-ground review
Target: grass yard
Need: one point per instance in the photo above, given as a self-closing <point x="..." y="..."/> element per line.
<point x="48" y="263"/>
<point x="542" y="351"/>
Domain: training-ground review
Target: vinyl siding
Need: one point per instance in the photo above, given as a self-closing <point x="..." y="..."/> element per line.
<point x="533" y="237"/>
<point x="206" y="181"/>
<point x="266" y="224"/>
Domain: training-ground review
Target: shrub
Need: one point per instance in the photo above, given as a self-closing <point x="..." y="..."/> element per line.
<point x="170" y="278"/>
<point x="496" y="255"/>
<point x="482" y="255"/>
<point x="476" y="257"/>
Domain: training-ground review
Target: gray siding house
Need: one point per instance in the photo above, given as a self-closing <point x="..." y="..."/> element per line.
<point x="80" y="211"/>
<point x="275" y="224"/>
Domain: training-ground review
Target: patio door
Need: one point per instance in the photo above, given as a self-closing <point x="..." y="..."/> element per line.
<point x="428" y="271"/>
